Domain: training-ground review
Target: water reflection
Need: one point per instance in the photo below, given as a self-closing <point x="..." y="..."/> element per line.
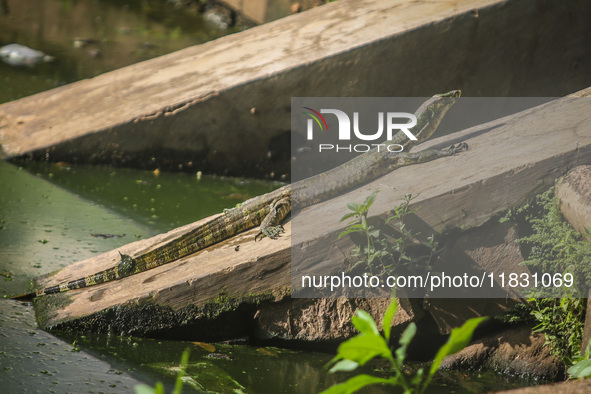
<point x="88" y="38"/>
<point x="162" y="200"/>
<point x="32" y="360"/>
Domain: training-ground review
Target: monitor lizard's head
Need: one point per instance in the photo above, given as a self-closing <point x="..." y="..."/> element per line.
<point x="126" y="265"/>
<point x="451" y="93"/>
<point x="430" y="114"/>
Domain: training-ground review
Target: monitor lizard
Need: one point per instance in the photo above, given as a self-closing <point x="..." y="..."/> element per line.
<point x="268" y="210"/>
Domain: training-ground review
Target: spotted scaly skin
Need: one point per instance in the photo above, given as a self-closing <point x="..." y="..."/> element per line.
<point x="268" y="210"/>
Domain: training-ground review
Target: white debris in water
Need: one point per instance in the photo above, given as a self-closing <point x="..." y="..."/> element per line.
<point x="20" y="55"/>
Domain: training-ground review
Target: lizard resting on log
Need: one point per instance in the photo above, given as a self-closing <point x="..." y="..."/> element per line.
<point x="268" y="210"/>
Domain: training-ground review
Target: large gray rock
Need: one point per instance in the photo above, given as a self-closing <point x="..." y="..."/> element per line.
<point x="574" y="197"/>
<point x="490" y="248"/>
<point x="327" y="320"/>
<point x="515" y="351"/>
<point x="573" y="192"/>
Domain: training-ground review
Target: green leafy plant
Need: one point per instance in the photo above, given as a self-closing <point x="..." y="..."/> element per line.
<point x="553" y="246"/>
<point x="561" y="320"/>
<point x="408" y="237"/>
<point x="368" y="253"/>
<point x="381" y="253"/>
<point x="370" y="344"/>
<point x="159" y="387"/>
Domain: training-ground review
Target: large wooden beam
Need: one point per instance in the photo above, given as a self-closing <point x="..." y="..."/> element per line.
<point x="509" y="159"/>
<point x="193" y="109"/>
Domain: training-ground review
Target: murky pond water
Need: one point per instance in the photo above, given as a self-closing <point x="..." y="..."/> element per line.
<point x="88" y="38"/>
<point x="161" y="201"/>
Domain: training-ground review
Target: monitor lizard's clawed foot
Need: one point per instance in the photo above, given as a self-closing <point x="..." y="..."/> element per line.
<point x="462" y="146"/>
<point x="271" y="232"/>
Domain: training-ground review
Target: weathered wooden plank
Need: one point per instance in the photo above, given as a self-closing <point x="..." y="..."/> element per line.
<point x="509" y="159"/>
<point x="195" y="107"/>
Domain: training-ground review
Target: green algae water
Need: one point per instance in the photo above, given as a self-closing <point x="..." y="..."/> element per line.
<point x="224" y="368"/>
<point x="88" y="38"/>
<point x="160" y="200"/>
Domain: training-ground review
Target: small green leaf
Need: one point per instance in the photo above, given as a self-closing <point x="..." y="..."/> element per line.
<point x="178" y="387"/>
<point x="357" y="383"/>
<point x="365" y="323"/>
<point x="370" y="199"/>
<point x="349" y="231"/>
<point x="582" y="369"/>
<point x="405" y="338"/>
<point x="347" y="216"/>
<point x="344" y="365"/>
<point x="374" y="233"/>
<point x="458" y="339"/>
<point x="408" y="334"/>
<point x="334" y="360"/>
<point x="144" y="389"/>
<point x="354" y="206"/>
<point x="363" y="348"/>
<point x="418" y="378"/>
<point x="389" y="317"/>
